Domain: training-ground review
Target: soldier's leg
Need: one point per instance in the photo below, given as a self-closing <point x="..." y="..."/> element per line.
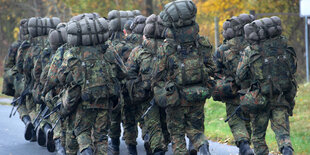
<point x="239" y="128"/>
<point x="281" y="126"/>
<point x="153" y="127"/>
<point x="130" y="123"/>
<point x="31" y="108"/>
<point x="194" y="120"/>
<point x="115" y="129"/>
<point x="259" y="125"/>
<point x="84" y="121"/>
<point x="22" y="110"/>
<point x="176" y="128"/>
<point x="71" y="145"/>
<point x="100" y="132"/>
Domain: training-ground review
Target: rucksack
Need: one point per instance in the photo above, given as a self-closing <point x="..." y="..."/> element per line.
<point x="41" y="26"/>
<point x="273" y="66"/>
<point x="179" y="13"/>
<point x="264" y="28"/>
<point x="187" y="64"/>
<point x="117" y="19"/>
<point x="58" y="36"/>
<point x="94" y="75"/>
<point x="87" y="32"/>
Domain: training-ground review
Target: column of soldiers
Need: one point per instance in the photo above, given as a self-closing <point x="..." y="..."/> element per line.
<point x="74" y="84"/>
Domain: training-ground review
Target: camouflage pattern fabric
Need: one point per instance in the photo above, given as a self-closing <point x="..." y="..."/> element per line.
<point x="278" y="108"/>
<point x="186" y="118"/>
<point x="140" y="66"/>
<point x="93" y="115"/>
<point x="71" y="144"/>
<point x="226" y="60"/>
<point x="99" y="121"/>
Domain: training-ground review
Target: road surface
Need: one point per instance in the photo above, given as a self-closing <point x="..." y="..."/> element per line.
<point x="12" y="140"/>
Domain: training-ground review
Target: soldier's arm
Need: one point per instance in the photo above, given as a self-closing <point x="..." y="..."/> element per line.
<point x="160" y="69"/>
<point x="21" y="52"/>
<point x="243" y="67"/>
<point x="132" y="65"/>
<point x="218" y="62"/>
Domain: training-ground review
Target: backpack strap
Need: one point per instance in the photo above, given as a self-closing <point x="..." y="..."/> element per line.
<point x="79" y="32"/>
<point x="89" y="32"/>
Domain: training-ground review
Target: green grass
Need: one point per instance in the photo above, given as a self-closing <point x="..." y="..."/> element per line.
<point x="218" y="130"/>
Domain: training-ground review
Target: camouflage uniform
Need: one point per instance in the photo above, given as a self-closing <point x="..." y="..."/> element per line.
<point x="226" y="59"/>
<point x="116" y="44"/>
<point x="11" y="73"/>
<point x="55" y="86"/>
<point x="184" y="117"/>
<point x="278" y="108"/>
<point x="92" y="116"/>
<point x="25" y="65"/>
<point x="140" y="66"/>
<point x="129" y="111"/>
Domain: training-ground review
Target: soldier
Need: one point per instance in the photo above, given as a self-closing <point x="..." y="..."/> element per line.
<point x="271" y="66"/>
<point x="52" y="91"/>
<point x="129" y="110"/>
<point x="29" y="50"/>
<point x="13" y="82"/>
<point x="226" y="59"/>
<point x="140" y="65"/>
<point x="182" y="78"/>
<point x="117" y="43"/>
<point x="94" y="73"/>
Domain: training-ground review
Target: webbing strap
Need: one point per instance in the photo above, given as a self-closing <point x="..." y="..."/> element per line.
<point x="89" y="31"/>
<point x="60" y="37"/>
<point x="79" y="32"/>
<point x="95" y="20"/>
<point x="37" y="26"/>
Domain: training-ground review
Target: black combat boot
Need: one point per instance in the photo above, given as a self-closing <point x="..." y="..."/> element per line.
<point x="87" y="151"/>
<point x="244" y="148"/>
<point x="114" y="146"/>
<point x="60" y="150"/>
<point x="191" y="149"/>
<point x="50" y="143"/>
<point x="204" y="150"/>
<point x="132" y="149"/>
<point x="286" y="150"/>
<point x="159" y="152"/>
<point x="47" y="135"/>
<point x="29" y="128"/>
<point x="40" y="136"/>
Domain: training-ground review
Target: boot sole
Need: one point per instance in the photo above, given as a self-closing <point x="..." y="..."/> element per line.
<point x="41" y="137"/>
<point x="50" y="142"/>
<point x="28" y="131"/>
<point x="193" y="152"/>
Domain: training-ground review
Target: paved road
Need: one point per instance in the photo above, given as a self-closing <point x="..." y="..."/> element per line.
<point x="12" y="141"/>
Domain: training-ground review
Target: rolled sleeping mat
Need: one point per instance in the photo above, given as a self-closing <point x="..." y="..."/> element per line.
<point x="87" y="32"/>
<point x="138" y="24"/>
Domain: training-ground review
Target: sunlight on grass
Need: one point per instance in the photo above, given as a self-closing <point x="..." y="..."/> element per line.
<point x="217" y="130"/>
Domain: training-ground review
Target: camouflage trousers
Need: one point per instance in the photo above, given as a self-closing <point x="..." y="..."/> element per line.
<point x="240" y="129"/>
<point x="22" y="110"/>
<point x="71" y="144"/>
<point x="131" y="113"/>
<point x="154" y="128"/>
<point x="189" y="121"/>
<point x="31" y="107"/>
<point x="91" y="129"/>
<point x="116" y="119"/>
<point x="279" y="119"/>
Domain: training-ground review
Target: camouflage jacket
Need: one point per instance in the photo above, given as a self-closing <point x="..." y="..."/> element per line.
<point x="162" y="70"/>
<point x="140" y="65"/>
<point x="10" y="58"/>
<point x="73" y="66"/>
<point x="245" y="69"/>
<point x="52" y="69"/>
<point x="227" y="58"/>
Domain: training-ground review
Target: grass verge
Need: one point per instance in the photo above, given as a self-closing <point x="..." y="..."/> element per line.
<point x="218" y="130"/>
